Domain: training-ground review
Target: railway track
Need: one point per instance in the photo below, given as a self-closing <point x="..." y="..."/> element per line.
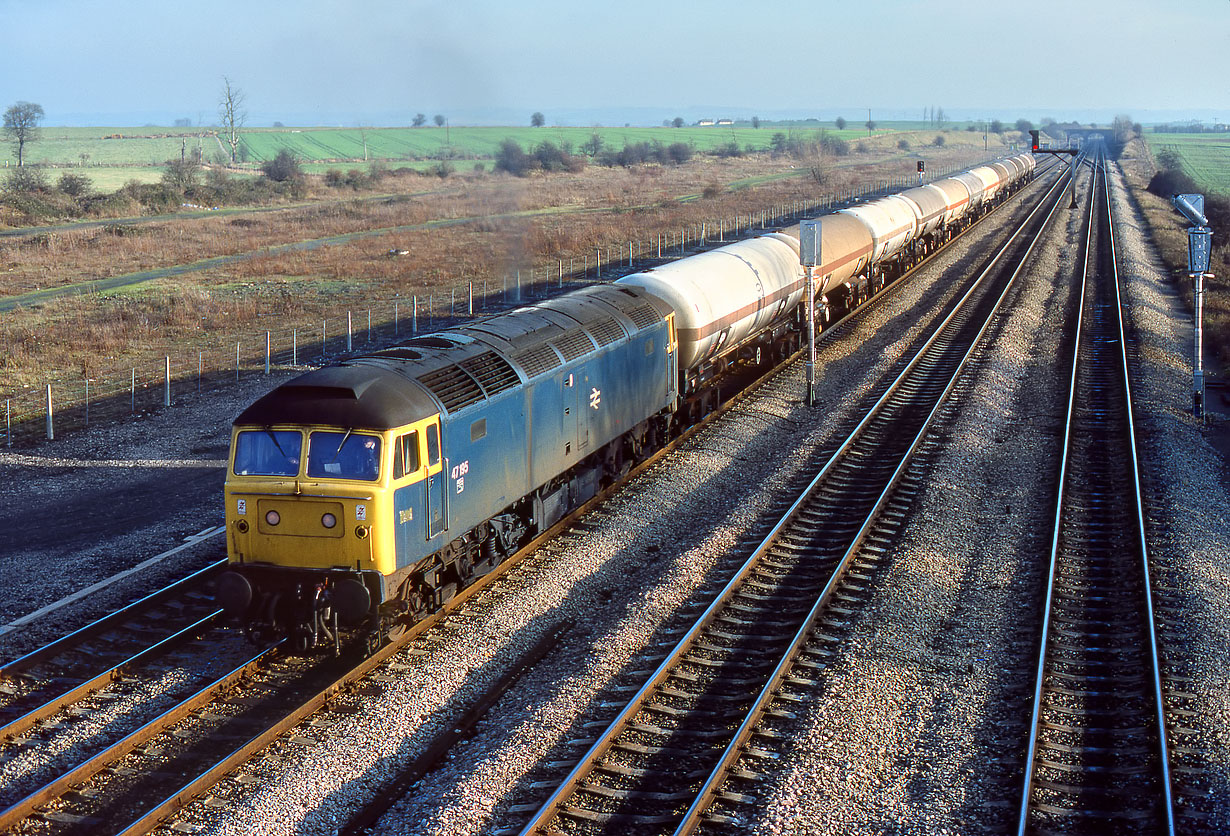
<point x="703" y="720"/>
<point x="1097" y="759"/>
<point x="124" y="787"/>
<point x="62" y="673"/>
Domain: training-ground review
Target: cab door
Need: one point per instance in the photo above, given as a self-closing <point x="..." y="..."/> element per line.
<point x="437" y="482"/>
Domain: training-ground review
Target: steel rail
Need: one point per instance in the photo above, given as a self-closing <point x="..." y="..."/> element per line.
<point x="1036" y="711"/>
<point x="96" y="763"/>
<point x="67" y="698"/>
<point x="108" y="621"/>
<point x="1060" y="507"/>
<point x="569" y="784"/>
<point x="709" y="790"/>
<point x="1146" y="569"/>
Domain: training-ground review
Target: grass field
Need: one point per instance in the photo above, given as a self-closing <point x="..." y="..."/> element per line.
<point x="112" y="156"/>
<point x="153" y="146"/>
<point x="1205" y="157"/>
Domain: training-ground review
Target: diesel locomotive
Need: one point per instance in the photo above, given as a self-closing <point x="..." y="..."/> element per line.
<point x="367" y="493"/>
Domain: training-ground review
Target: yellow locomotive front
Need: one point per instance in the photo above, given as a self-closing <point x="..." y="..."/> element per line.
<point x="311" y="539"/>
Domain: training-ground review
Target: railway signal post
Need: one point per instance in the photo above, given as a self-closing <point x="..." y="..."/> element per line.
<point x="809" y="255"/>
<point x="1037" y="148"/>
<point x="1199" y="248"/>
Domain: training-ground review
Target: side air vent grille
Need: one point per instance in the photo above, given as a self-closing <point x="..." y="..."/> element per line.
<point x="605" y="333"/>
<point x="644" y="316"/>
<point x="453" y="386"/>
<point x="574" y="344"/>
<point x="492" y="372"/>
<point x="536" y="361"/>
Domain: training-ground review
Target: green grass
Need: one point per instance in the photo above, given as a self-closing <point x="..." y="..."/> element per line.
<point x="140" y="153"/>
<point x="1205" y="157"/>
<point x="153" y="146"/>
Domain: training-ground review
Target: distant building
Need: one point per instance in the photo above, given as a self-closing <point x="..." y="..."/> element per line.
<point x="705" y="123"/>
<point x="722" y="122"/>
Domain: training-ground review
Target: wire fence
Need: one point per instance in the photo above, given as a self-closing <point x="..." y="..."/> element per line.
<point x="65" y="405"/>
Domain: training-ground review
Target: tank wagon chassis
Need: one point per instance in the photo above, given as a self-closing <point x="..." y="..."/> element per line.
<point x="366" y="495"/>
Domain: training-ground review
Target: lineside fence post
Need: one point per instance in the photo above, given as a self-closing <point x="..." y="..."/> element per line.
<point x="166" y="381"/>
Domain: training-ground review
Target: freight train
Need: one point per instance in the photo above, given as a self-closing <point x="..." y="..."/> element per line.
<point x="364" y="495"/>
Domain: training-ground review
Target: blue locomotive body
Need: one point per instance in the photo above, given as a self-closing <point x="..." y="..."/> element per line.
<point x="429" y="462"/>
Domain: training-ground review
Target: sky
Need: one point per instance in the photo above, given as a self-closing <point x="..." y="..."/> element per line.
<point x="378" y="62"/>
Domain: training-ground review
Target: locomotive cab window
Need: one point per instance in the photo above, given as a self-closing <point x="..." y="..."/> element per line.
<point x="268" y="453"/>
<point x="478" y="429"/>
<point x="406" y="455"/>
<point x="433" y="445"/>
<point x="343" y="455"/>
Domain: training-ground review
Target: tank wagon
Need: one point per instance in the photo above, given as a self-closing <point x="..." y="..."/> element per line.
<point x="367" y="493"/>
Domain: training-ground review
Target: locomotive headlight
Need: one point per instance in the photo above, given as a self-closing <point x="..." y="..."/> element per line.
<point x="273" y="518"/>
<point x="328" y="521"/>
<point x="242" y="525"/>
<point x="361" y="532"/>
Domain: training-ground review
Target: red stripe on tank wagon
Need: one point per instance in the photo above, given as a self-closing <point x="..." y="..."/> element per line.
<point x="693" y="334"/>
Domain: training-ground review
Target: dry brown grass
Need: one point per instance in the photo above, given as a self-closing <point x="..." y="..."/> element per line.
<point x="597" y="208"/>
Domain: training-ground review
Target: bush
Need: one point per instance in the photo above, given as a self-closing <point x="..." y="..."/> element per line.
<point x="938" y="141"/>
<point x="74" y="185"/>
<point x="903" y="145"/>
<point x="282" y="168"/>
<point x="679" y="152"/>
<point x="836" y="146"/>
<point x="511" y="158"/>
<point x="335" y="178"/>
<point x="26" y="179"/>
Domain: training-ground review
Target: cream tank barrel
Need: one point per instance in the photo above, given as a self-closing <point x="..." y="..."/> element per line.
<point x="723" y="296"/>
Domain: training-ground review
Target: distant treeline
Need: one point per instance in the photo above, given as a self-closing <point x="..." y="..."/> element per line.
<point x="1193" y="128"/>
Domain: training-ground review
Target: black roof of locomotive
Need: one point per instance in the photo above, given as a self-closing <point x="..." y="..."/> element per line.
<point x="451" y="370"/>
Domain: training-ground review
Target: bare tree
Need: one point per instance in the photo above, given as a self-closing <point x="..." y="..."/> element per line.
<point x="439" y="120"/>
<point x="21" y="125"/>
<point x="537" y="120"/>
<point x="232" y="113"/>
<point x="419" y="120"/>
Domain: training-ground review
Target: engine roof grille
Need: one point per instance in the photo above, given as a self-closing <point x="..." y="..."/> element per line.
<point x="644" y="316"/>
<point x="606" y="332"/>
<point x="574" y="344"/>
<point x="492" y="372"/>
<point x="537" y="360"/>
<point x="453" y="386"/>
